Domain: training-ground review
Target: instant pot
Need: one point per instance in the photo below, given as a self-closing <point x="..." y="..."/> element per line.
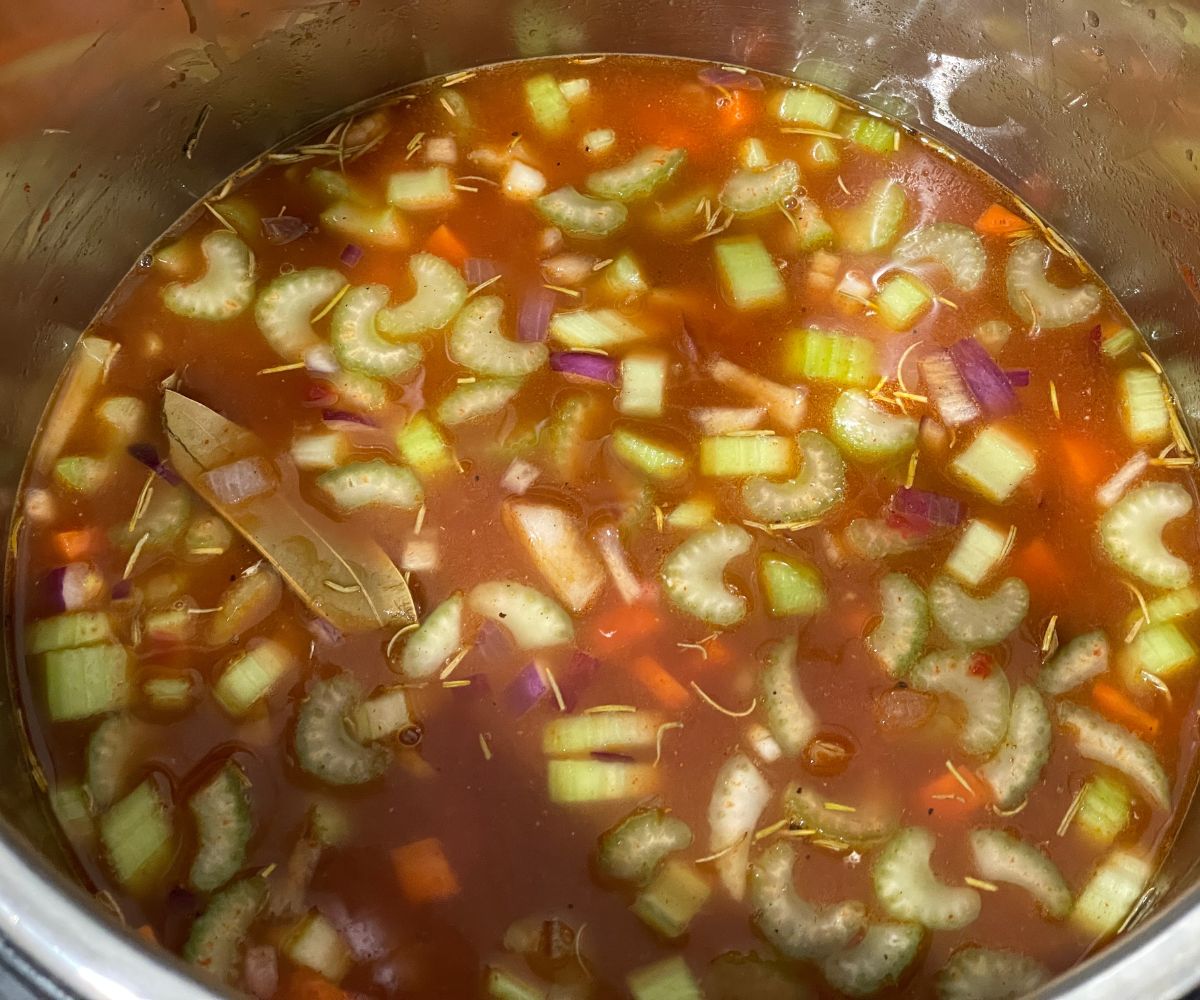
<point x="117" y="115"/>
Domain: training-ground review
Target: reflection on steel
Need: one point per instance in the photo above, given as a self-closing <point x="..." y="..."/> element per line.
<point x="116" y="115"/>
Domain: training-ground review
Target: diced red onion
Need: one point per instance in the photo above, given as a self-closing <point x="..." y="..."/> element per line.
<point x="319" y="360"/>
<point x="148" y="455"/>
<point x="477" y="270"/>
<point x="687" y="346"/>
<point x="715" y="76"/>
<point x="519" y="476"/>
<point x="337" y="417"/>
<point x="569" y="268"/>
<point x="608" y="542"/>
<point x="612" y="755"/>
<point x="491" y="642"/>
<point x="319" y="394"/>
<point x="74" y="586"/>
<point x="533" y="321"/>
<point x="574" y="679"/>
<point x="525" y="690"/>
<point x="1018" y="378"/>
<point x="260" y="971"/>
<point x="598" y="367"/>
<point x="324" y="631"/>
<point x="241" y="480"/>
<point x="480" y="687"/>
<point x="947" y="391"/>
<point x="989" y="385"/>
<point x="922" y="510"/>
<point x="1114" y="488"/>
<point x="351" y="254"/>
<point x="283" y="229"/>
<point x="121" y="590"/>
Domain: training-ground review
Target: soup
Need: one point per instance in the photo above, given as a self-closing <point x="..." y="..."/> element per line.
<point x="613" y="526"/>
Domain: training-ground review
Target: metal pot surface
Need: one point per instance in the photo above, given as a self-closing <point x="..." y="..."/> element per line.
<point x="116" y="115"/>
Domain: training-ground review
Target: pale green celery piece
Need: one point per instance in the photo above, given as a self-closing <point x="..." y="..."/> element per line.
<point x="749" y="277"/>
<point x="368" y="226"/>
<point x="1143" y="406"/>
<point x="995" y="464"/>
<point x="808" y="106"/>
<point x="902" y="300"/>
<point x="421" y="190"/>
<point x="547" y="104"/>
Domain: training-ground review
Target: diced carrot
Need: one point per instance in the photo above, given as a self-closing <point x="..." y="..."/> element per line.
<point x="718" y="652"/>
<point x="622" y="626"/>
<point x="946" y="798"/>
<point x="146" y="933"/>
<point x="444" y="243"/>
<point x="77" y="544"/>
<point x="1039" y="566"/>
<point x="1117" y="706"/>
<point x="999" y="221"/>
<point x="305" y="984"/>
<point x="660" y="681"/>
<point x="738" y="110"/>
<point x="424" y="874"/>
<point x="1088" y="461"/>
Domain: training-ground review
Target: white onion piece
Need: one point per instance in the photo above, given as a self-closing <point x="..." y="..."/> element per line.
<point x="550" y="240"/>
<point x="420" y="555"/>
<point x="1114" y="488"/>
<point x="738" y="799"/>
<point x="522" y="182"/>
<point x="608" y="541"/>
<point x="763" y="743"/>
<point x="727" y="419"/>
<point x="441" y="149"/>
<point x="568" y="268"/>
<point x="240" y="480"/>
<point x="519" y="476"/>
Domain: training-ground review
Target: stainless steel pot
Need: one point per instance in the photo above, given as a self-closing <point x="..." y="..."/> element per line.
<point x="116" y="115"/>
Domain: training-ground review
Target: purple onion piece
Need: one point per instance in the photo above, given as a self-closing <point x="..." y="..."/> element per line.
<point x="533" y="321"/>
<point x="715" y="76"/>
<point x="922" y="510"/>
<point x="525" y="690"/>
<point x="148" y="455"/>
<point x="351" y="254"/>
<point x="324" y="631"/>
<point x="54" y="585"/>
<point x="346" y="417"/>
<point x="598" y="367"/>
<point x="121" y="590"/>
<point x="574" y="679"/>
<point x="1018" y="378"/>
<point x="613" y="756"/>
<point x="480" y="688"/>
<point x="283" y="229"/>
<point x="988" y="384"/>
<point x="477" y="270"/>
<point x="492" y="642"/>
<point x="687" y="345"/>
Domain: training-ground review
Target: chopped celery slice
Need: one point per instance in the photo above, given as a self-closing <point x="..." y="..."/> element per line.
<point x="791" y="719"/>
<point x="640" y="177"/>
<point x="421" y="190"/>
<point x="827" y="356"/>
<point x="813" y="492"/>
<point x="285" y="308"/>
<point x="869" y="433"/>
<point x="578" y="781"/>
<point x="1119" y="342"/>
<point x="547" y="104"/>
<point x="870" y="133"/>
<point x="752" y="154"/>
<point x="578" y="215"/>
<point x="1105" y="808"/>
<point x="1001" y="857"/>
<point x="423" y="446"/>
<point x="692" y="514"/>
<point x="813" y="231"/>
<point x="902" y="300"/>
<point x="1017" y="765"/>
<point x="1035" y="299"/>
<point x="534" y="620"/>
<point x="73" y="810"/>
<point x="955" y="247"/>
<point x="739" y="796"/>
<point x="908" y="889"/>
<point x="979" y="550"/>
<point x="790" y="586"/>
<point x="673" y="897"/>
<point x="736" y="456"/>
<point x="648" y="455"/>
<point x="372" y="227"/>
<point x="382" y="715"/>
<point x="325" y="747"/>
<point x="1131" y="533"/>
<point x="434" y="641"/>
<point x="86" y="681"/>
<point x="598" y="329"/>
<point x="474" y="401"/>
<point x="356" y="343"/>
<point x="138" y="838"/>
<point x="1114" y="746"/>
<point x="1143" y="404"/>
<point x="477" y="342"/>
<point x="377" y="483"/>
<point x="863" y="828"/>
<point x="245" y="603"/>
<point x="123" y="417"/>
<point x="1173" y="605"/>
<point x="75" y="628"/>
<point x="335" y="185"/>
<point x="978" y="621"/>
<point x="439" y="294"/>
<point x="1111" y="893"/>
<point x="984" y="697"/>
<point x="501" y="984"/>
<point x="680" y="213"/>
<point x="207" y="535"/>
<point x="624" y="278"/>
<point x="217" y="936"/>
<point x="321" y="451"/>
<point x="693" y="575"/>
<point x="822" y="154"/>
<point x="632" y="850"/>
<point x="567" y="436"/>
<point x="316" y="944"/>
<point x="221" y="810"/>
<point x="874" y="223"/>
<point x="751" y="192"/>
<point x="599" y="731"/>
<point x="979" y="973"/>
<point x="599" y="140"/>
<point x="225" y="289"/>
<point x="749" y="277"/>
<point x="643" y="384"/>
<point x="668" y="979"/>
<point x="808" y="106"/>
<point x="1163" y="650"/>
<point x="878" y="960"/>
<point x="1081" y="659"/>
<point x="252" y="675"/>
<point x="84" y="474"/>
<point x="903" y="628"/>
<point x="112" y="750"/>
<point x="168" y="694"/>
<point x="994" y="464"/>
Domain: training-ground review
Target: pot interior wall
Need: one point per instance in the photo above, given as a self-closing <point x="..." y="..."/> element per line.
<point x="115" y="116"/>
